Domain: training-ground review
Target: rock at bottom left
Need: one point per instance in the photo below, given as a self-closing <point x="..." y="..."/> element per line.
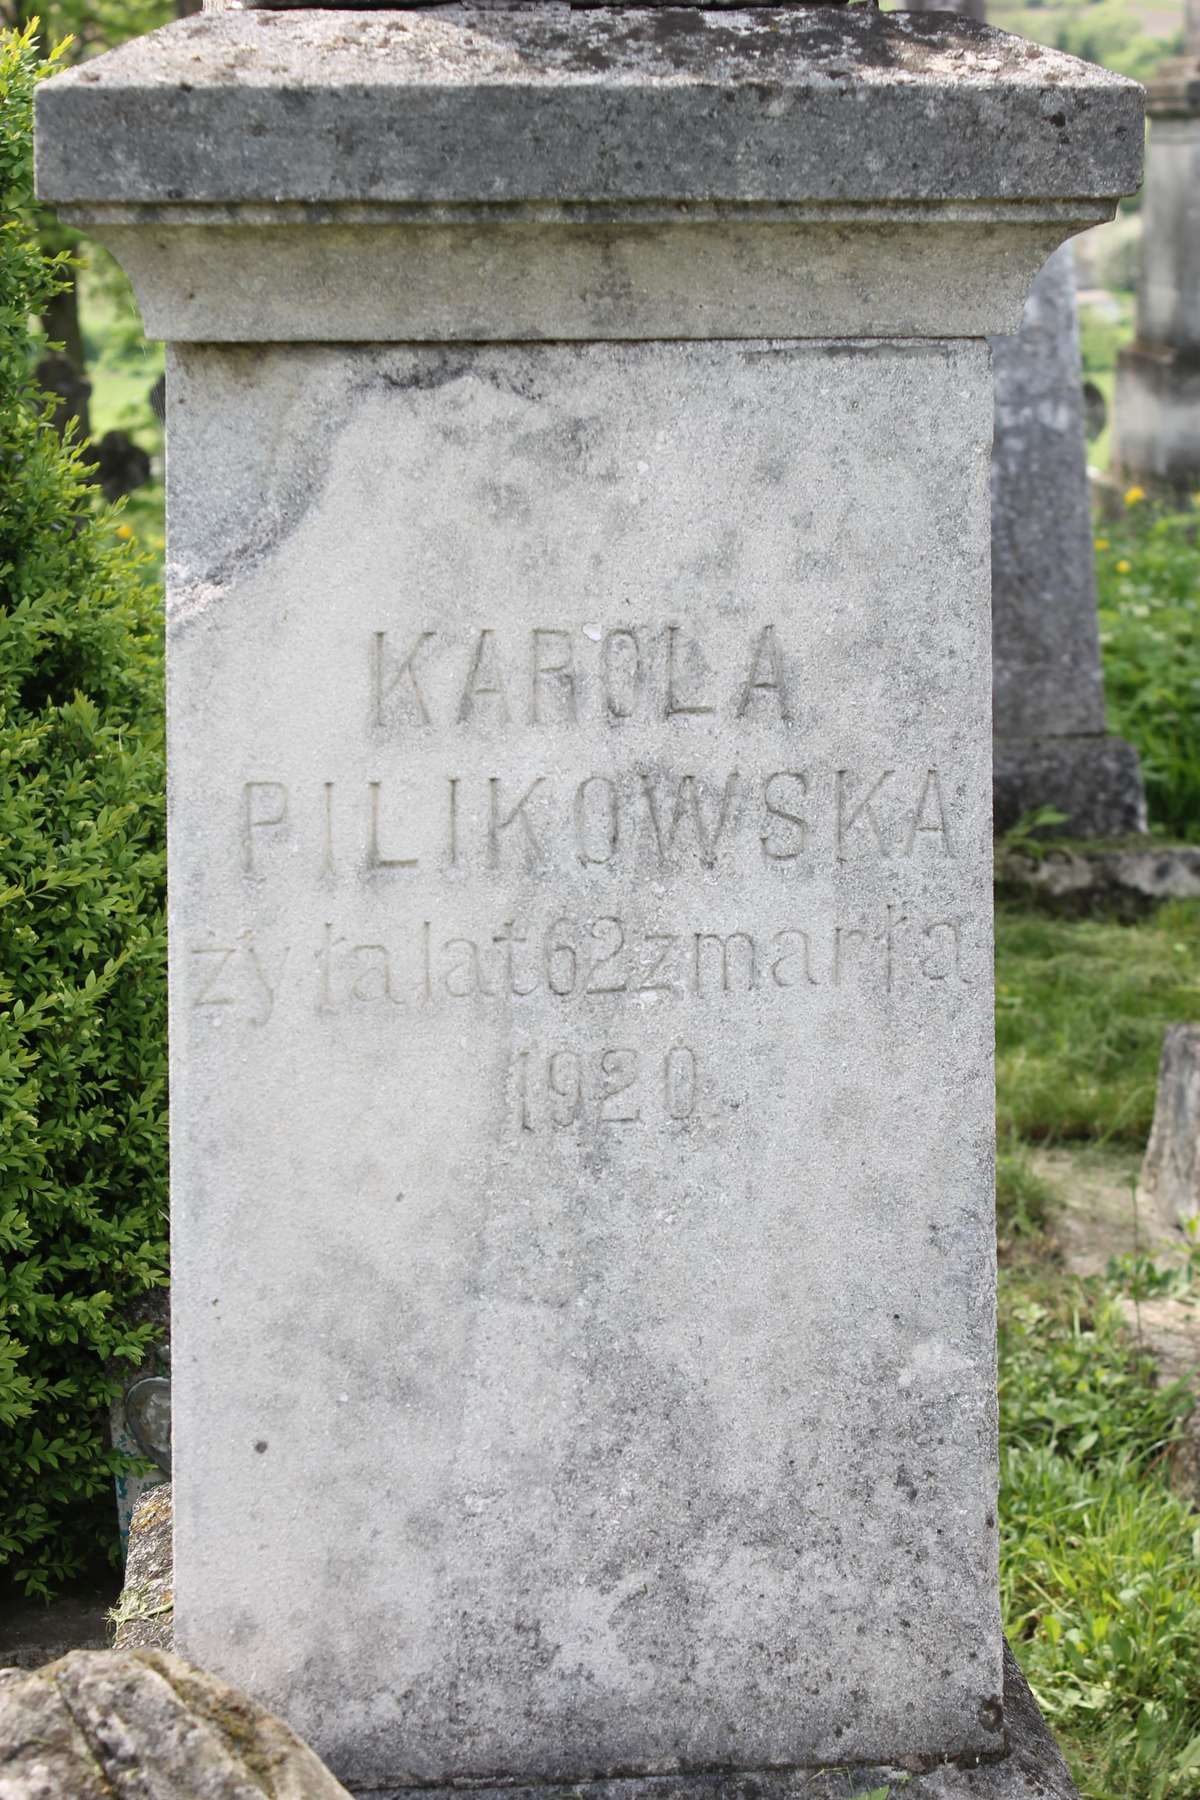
<point x="117" y="1725"/>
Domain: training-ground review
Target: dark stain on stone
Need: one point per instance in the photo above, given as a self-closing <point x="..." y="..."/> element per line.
<point x="261" y="1445"/>
<point x="990" y="1713"/>
<point x="427" y="375"/>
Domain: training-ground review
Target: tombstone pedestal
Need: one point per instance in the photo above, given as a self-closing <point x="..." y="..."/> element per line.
<point x="1157" y="401"/>
<point x="578" y="577"/>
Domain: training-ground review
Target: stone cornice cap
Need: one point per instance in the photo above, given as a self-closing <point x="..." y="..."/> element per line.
<point x="1174" y="92"/>
<point x="553" y="172"/>
<point x="468" y="105"/>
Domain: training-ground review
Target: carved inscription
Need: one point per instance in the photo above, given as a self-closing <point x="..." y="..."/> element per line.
<point x="491" y="766"/>
<point x="548" y="675"/>
<point x="638" y="817"/>
<point x="581" y="962"/>
<point x="610" y="1086"/>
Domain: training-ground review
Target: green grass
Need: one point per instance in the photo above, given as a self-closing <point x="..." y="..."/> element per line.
<point x="1100" y="1560"/>
<point x="1081" y="1008"/>
<point x="1148" y="574"/>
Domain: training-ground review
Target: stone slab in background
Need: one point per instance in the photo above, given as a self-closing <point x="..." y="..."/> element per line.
<point x="115" y="1725"/>
<point x="143" y="1618"/>
<point x="1093" y="781"/>
<point x="1051" y="746"/>
<point x="1170" y="1180"/>
<point x="1127" y="879"/>
<point x="1156" y="436"/>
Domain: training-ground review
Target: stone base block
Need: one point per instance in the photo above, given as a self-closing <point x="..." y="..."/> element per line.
<point x="1095" y="782"/>
<point x="1033" y="1770"/>
<point x="1157" y="410"/>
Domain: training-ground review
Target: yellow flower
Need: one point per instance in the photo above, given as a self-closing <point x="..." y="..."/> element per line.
<point x="125" y="531"/>
<point x="1102" y="543"/>
<point x="1123" y="567"/>
<point x="1133" y="495"/>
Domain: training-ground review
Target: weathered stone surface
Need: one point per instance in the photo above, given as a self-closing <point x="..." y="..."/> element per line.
<point x="1046" y="649"/>
<point x="561" y="175"/>
<point x="581" y="864"/>
<point x="1157" y="401"/>
<point x="144" y="1614"/>
<point x="1094" y="781"/>
<point x="1033" y="1769"/>
<point x="1047" y="683"/>
<point x="469" y="902"/>
<point x="110" y="1725"/>
<point x="1170" y="1181"/>
<point x="1128" y="880"/>
<point x="597" y="105"/>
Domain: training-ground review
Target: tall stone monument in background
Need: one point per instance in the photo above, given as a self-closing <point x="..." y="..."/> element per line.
<point x="1157" y="401"/>
<point x="1051" y="745"/>
<point x="582" y="1095"/>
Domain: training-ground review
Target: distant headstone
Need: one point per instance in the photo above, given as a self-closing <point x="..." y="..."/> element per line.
<point x="581" y="865"/>
<point x="1157" y="401"/>
<point x="1051" y="746"/>
<point x="1170" y="1179"/>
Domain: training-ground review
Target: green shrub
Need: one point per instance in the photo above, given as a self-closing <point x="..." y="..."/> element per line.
<point x="82" y="939"/>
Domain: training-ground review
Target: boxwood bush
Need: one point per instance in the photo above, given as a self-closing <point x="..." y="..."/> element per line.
<point x="82" y="939"/>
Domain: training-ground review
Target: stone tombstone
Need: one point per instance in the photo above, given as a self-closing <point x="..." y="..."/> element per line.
<point x="1157" y="402"/>
<point x="578" y="570"/>
<point x="1051" y="745"/>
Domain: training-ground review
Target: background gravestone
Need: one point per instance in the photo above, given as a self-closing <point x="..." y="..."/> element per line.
<point x="1051" y="747"/>
<point x="1157" y="401"/>
<point x="581" y="891"/>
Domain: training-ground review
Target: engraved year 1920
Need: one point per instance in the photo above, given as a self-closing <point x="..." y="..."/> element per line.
<point x="607" y="1086"/>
